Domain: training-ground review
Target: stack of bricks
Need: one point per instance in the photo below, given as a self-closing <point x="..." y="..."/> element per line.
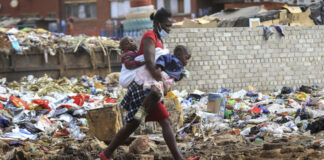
<point x="236" y="58"/>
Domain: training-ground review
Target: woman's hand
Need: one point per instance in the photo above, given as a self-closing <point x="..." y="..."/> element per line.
<point x="157" y="74"/>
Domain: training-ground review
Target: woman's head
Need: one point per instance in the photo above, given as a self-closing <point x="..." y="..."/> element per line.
<point x="162" y="21"/>
<point x="182" y="53"/>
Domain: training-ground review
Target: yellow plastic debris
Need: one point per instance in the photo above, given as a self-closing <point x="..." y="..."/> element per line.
<point x="301" y="96"/>
<point x="171" y="95"/>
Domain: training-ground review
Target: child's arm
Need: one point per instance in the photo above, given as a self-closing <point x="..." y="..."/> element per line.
<point x="185" y="73"/>
<point x="130" y="63"/>
<point x="181" y="76"/>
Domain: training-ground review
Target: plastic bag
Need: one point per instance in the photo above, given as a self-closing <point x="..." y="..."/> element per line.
<point x="82" y="122"/>
<point x="1" y="106"/>
<point x="2" y="89"/>
<point x="22" y="134"/>
<point x="264" y="110"/>
<point x="301" y="96"/>
<point x="245" y="132"/>
<point x="240" y="94"/>
<point x="18" y="102"/>
<point x="79" y="112"/>
<point x="75" y="132"/>
<point x="66" y="117"/>
<point x="66" y="106"/>
<point x="45" y="125"/>
<point x="30" y="127"/>
<point x="60" y="111"/>
<point x="255" y="110"/>
<point x="63" y="132"/>
<point x="24" y="115"/>
<point x="4" y="99"/>
<point x="80" y="99"/>
<point x="4" y="122"/>
<point x="42" y="102"/>
<point x="110" y="100"/>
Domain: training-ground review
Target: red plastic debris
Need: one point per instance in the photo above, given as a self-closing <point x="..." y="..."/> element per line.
<point x="66" y="106"/>
<point x="110" y="100"/>
<point x="1" y="106"/>
<point x="92" y="100"/>
<point x="3" y="99"/>
<point x="43" y="103"/>
<point x="235" y="132"/>
<point x="63" y="132"/>
<point x="80" y="99"/>
<point x="18" y="102"/>
<point x="255" y="110"/>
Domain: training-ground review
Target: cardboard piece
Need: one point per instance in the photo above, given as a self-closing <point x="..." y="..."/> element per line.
<point x="104" y="122"/>
<point x="283" y="18"/>
<point x="213" y="106"/>
<point x="271" y="22"/>
<point x="216" y="104"/>
<point x="293" y="9"/>
<point x="301" y="19"/>
<point x="295" y="17"/>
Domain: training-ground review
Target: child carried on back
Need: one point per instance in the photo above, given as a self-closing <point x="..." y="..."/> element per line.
<point x="171" y="67"/>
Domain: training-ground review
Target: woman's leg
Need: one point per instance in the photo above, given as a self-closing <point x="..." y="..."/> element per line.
<point x="121" y="136"/>
<point x="152" y="99"/>
<point x="169" y="138"/>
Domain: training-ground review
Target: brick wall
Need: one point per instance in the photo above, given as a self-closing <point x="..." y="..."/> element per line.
<point x="44" y="8"/>
<point x="30" y="7"/>
<point x="235" y="58"/>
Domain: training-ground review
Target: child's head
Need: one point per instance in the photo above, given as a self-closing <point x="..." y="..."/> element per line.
<point x="182" y="53"/>
<point x="127" y="44"/>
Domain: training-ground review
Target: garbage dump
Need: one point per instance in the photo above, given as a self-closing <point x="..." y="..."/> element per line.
<point x="29" y="39"/>
<point x="45" y="118"/>
<point x="58" y="55"/>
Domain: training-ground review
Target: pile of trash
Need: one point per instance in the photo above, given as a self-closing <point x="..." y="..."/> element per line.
<point x="44" y="118"/>
<point x="254" y="115"/>
<point x="246" y="124"/>
<point x="39" y="40"/>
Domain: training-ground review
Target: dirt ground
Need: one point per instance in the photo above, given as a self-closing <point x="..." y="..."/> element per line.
<point x="224" y="147"/>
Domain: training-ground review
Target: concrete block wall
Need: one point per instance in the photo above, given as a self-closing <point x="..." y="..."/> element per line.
<point x="235" y="58"/>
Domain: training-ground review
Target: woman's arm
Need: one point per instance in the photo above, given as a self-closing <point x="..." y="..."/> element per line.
<point x="149" y="57"/>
